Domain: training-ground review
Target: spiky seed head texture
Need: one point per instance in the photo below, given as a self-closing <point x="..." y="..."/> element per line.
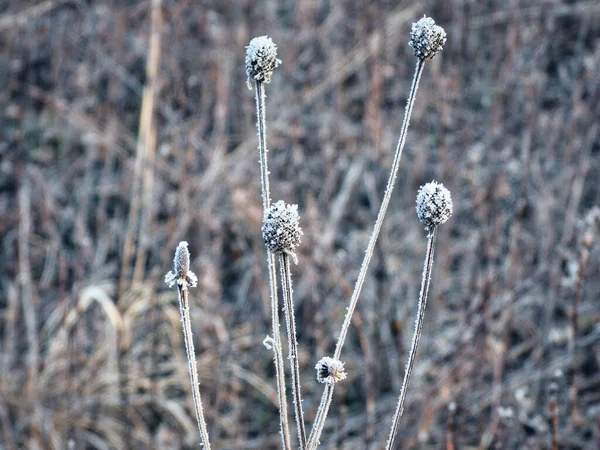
<point x="434" y="205"/>
<point x="426" y="38"/>
<point x="261" y="60"/>
<point x="281" y="228"/>
<point x="330" y="370"/>
<point x="181" y="273"/>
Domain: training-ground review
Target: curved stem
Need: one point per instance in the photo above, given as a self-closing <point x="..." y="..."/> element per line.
<point x="266" y="198"/>
<point x="417" y="335"/>
<point x="288" y="302"/>
<point x="184" y="309"/>
<point x="382" y="210"/>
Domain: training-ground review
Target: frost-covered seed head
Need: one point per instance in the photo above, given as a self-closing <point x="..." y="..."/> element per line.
<point x="434" y="205"/>
<point x="181" y="273"/>
<point x="281" y="228"/>
<point x="330" y="370"/>
<point x="261" y="60"/>
<point x="426" y="38"/>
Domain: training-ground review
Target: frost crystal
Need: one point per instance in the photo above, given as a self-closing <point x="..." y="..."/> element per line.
<point x="261" y="60"/>
<point x="181" y="274"/>
<point x="330" y="370"/>
<point x="426" y="38"/>
<point x="434" y="205"/>
<point x="281" y="228"/>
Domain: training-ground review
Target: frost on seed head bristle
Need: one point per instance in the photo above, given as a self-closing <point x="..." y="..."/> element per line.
<point x="434" y="205"/>
<point x="330" y="370"/>
<point x="281" y="228"/>
<point x="426" y="38"/>
<point x="181" y="273"/>
<point x="261" y="60"/>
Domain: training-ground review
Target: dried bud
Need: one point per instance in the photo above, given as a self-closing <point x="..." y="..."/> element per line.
<point x="181" y="274"/>
<point x="426" y="38"/>
<point x="261" y="60"/>
<point x="434" y="205"/>
<point x="330" y="370"/>
<point x="281" y="228"/>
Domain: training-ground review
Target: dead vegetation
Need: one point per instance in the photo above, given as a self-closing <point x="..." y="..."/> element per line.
<point x="127" y="127"/>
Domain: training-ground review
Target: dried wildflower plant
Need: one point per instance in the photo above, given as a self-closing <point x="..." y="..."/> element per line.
<point x="184" y="278"/>
<point x="434" y="207"/>
<point x="282" y="234"/>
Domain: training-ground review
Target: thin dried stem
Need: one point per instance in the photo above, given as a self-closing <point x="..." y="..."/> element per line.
<point x="184" y="309"/>
<point x="417" y="335"/>
<point x="382" y="210"/>
<point x="288" y="302"/>
<point x="266" y="197"/>
<point x="317" y="429"/>
<point x="377" y="228"/>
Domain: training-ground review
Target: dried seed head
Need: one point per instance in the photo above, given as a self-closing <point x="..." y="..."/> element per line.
<point x="426" y="38"/>
<point x="261" y="60"/>
<point x="330" y="370"/>
<point x="281" y="228"/>
<point x="181" y="274"/>
<point x="434" y="205"/>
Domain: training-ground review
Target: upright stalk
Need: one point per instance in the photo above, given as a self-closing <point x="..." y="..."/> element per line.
<point x="382" y="210"/>
<point x="326" y="400"/>
<point x="417" y="335"/>
<point x="184" y="309"/>
<point x="286" y="283"/>
<point x="277" y="351"/>
<point x="317" y="429"/>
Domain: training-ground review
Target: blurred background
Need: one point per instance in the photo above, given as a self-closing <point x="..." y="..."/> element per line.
<point x="127" y="126"/>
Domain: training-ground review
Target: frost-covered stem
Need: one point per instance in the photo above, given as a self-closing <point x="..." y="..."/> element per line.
<point x="416" y="336"/>
<point x="288" y="302"/>
<point x="317" y="429"/>
<point x="261" y="125"/>
<point x="266" y="198"/>
<point x="184" y="309"/>
<point x="382" y="210"/>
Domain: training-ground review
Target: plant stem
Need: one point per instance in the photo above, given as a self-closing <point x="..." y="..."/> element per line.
<point x="288" y="302"/>
<point x="184" y="309"/>
<point x="377" y="228"/>
<point x="382" y="210"/>
<point x="317" y="429"/>
<point x="266" y="198"/>
<point x="417" y="335"/>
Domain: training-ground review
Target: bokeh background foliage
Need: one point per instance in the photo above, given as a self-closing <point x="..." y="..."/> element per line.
<point x="126" y="126"/>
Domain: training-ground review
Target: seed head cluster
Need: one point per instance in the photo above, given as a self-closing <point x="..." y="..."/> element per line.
<point x="281" y="228"/>
<point x="426" y="38"/>
<point x="330" y="370"/>
<point x="434" y="205"/>
<point x="181" y="274"/>
<point x="261" y="60"/>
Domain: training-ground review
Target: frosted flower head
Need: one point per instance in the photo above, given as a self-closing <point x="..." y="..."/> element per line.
<point x="426" y="38"/>
<point x="281" y="228"/>
<point x="181" y="274"/>
<point x="434" y="205"/>
<point x="261" y="60"/>
<point x="330" y="370"/>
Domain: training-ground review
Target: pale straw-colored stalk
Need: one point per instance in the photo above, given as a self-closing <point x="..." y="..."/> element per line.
<point x="425" y="281"/>
<point x="286" y="283"/>
<point x="276" y="338"/>
<point x="184" y="309"/>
